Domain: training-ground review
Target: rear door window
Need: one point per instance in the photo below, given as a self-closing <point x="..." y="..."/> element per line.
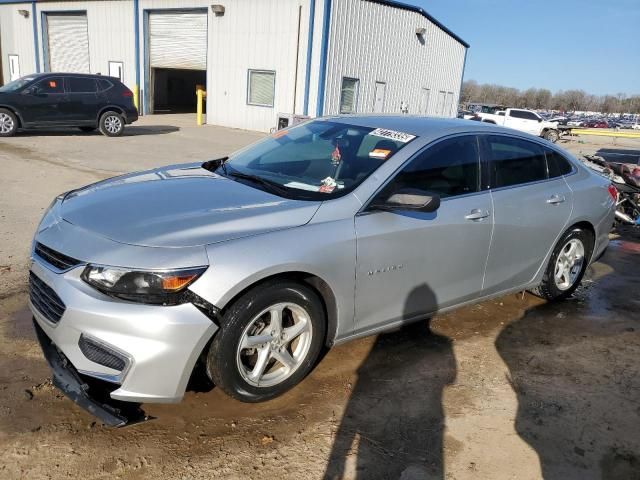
<point x="81" y="85"/>
<point x="515" y="161"/>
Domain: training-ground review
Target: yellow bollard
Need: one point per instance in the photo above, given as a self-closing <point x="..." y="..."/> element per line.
<point x="136" y="96"/>
<point x="200" y="95"/>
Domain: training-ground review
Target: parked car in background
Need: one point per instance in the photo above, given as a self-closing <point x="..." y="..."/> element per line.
<point x="596" y="124"/>
<point x="88" y="102"/>
<point x="328" y="231"/>
<point x="576" y="122"/>
<point x="524" y="120"/>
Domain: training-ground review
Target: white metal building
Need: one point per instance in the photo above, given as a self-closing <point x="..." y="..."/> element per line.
<point x="256" y="58"/>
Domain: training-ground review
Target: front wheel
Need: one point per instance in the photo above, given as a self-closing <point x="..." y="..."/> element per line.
<point x="268" y="342"/>
<point x="567" y="265"/>
<point x="111" y="124"/>
<point x="8" y="123"/>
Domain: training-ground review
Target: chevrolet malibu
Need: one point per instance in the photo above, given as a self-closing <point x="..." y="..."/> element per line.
<point x="249" y="266"/>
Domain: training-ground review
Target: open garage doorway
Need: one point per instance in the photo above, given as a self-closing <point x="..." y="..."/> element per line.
<point x="174" y="91"/>
<point x="177" y="59"/>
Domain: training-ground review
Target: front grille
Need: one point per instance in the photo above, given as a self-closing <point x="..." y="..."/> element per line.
<point x="45" y="300"/>
<point x="100" y="354"/>
<point x="57" y="259"/>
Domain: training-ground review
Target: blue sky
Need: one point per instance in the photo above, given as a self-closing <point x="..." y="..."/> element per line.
<point x="592" y="45"/>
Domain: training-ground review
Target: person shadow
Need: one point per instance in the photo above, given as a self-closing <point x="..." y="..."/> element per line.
<point x="573" y="368"/>
<point x="393" y="424"/>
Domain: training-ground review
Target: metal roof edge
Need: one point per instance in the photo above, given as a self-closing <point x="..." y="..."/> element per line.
<point x="424" y="13"/>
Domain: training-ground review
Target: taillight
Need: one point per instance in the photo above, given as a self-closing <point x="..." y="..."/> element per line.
<point x="613" y="191"/>
<point x="127" y="93"/>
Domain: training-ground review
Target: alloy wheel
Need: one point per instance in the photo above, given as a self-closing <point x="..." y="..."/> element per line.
<point x="569" y="264"/>
<point x="6" y="123"/>
<point x="113" y="124"/>
<point x="274" y="344"/>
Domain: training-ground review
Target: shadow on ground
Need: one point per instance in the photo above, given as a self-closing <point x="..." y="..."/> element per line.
<point x="129" y="131"/>
<point x="384" y="430"/>
<point x="573" y="367"/>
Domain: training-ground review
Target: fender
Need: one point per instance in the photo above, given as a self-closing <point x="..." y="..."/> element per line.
<point x="15" y="112"/>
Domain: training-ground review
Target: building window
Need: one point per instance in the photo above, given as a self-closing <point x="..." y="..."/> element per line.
<point x="349" y="95"/>
<point x="262" y="88"/>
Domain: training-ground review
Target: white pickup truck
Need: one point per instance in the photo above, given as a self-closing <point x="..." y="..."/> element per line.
<point x="523" y="120"/>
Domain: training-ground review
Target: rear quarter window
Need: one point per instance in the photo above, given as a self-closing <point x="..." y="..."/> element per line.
<point x="558" y="164"/>
<point x="104" y="85"/>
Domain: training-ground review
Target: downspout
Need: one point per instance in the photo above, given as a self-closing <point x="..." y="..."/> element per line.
<point x="136" y="30"/>
<point x="295" y="76"/>
<point x="36" y="45"/>
<point x="464" y="67"/>
<point x="323" y="57"/>
<point x="307" y="80"/>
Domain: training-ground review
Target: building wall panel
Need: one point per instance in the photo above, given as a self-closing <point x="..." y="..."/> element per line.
<point x="262" y="35"/>
<point x="377" y="43"/>
<point x="16" y="38"/>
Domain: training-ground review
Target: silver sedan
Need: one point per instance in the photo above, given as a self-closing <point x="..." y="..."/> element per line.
<point x="335" y="229"/>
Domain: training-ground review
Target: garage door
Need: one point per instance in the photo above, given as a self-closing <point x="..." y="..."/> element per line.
<point x="178" y="40"/>
<point x="68" y="42"/>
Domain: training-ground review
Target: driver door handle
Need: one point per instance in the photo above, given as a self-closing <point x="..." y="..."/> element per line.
<point x="555" y="199"/>
<point x="477" y="214"/>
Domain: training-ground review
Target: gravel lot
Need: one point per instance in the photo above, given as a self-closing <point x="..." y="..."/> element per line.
<point x="509" y="389"/>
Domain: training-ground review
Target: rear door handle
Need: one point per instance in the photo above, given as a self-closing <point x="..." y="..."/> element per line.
<point x="477" y="214"/>
<point x="555" y="199"/>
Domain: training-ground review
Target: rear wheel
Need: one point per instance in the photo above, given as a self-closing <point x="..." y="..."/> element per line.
<point x="111" y="124"/>
<point x="567" y="265"/>
<point x="269" y="341"/>
<point x="551" y="135"/>
<point x="8" y="123"/>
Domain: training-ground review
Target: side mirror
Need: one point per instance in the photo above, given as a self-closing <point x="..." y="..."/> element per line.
<point x="539" y="120"/>
<point x="409" y="199"/>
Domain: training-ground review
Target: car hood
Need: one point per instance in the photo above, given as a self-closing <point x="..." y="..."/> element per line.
<point x="180" y="206"/>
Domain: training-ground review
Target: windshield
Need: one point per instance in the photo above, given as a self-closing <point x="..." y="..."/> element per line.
<point x="316" y="160"/>
<point x="17" y="84"/>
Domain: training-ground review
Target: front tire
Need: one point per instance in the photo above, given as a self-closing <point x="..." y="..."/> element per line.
<point x="269" y="340"/>
<point x="8" y="123"/>
<point x="111" y="124"/>
<point x="567" y="265"/>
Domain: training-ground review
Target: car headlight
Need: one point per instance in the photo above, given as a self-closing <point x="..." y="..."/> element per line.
<point x="164" y="287"/>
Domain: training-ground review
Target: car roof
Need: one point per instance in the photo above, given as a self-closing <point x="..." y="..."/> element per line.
<point x="425" y="127"/>
<point x="67" y="74"/>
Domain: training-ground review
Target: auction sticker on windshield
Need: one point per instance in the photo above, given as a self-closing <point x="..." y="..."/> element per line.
<point x="392" y="135"/>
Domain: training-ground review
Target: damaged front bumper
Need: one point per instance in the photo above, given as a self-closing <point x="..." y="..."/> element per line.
<point x="88" y="393"/>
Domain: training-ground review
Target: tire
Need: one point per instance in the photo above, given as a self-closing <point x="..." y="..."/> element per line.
<point x="111" y="124"/>
<point x="551" y="135"/>
<point x="554" y="288"/>
<point x="249" y="320"/>
<point x="8" y="123"/>
<point x="87" y="129"/>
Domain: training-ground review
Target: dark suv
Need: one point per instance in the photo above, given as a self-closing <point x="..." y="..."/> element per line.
<point x="88" y="102"/>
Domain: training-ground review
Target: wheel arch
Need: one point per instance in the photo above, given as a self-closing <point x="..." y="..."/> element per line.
<point x="15" y="112"/>
<point x="313" y="281"/>
<point x="109" y="108"/>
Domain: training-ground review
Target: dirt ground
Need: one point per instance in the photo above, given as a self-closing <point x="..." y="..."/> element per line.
<point x="513" y="388"/>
